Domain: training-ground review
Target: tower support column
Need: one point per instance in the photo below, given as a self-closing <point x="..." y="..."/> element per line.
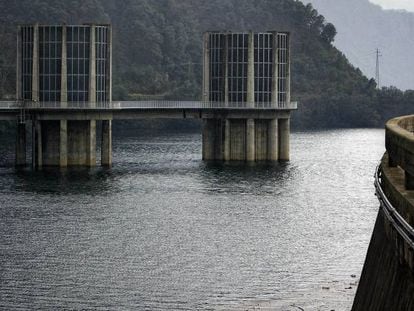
<point x="37" y="154"/>
<point x="227" y="127"/>
<point x="284" y="139"/>
<point x="250" y="140"/>
<point x="273" y="133"/>
<point x="106" y="146"/>
<point x="63" y="144"/>
<point x="20" y="144"/>
<point x="91" y="144"/>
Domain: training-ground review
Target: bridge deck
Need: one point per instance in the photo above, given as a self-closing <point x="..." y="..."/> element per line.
<point x="9" y="110"/>
<point x="144" y="104"/>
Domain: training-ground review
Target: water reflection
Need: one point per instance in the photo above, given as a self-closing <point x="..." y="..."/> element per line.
<point x="258" y="178"/>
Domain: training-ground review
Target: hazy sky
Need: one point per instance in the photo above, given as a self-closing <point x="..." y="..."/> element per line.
<point x="396" y="4"/>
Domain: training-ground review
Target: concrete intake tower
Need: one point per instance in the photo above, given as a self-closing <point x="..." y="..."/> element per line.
<point x="64" y="66"/>
<point x="248" y="70"/>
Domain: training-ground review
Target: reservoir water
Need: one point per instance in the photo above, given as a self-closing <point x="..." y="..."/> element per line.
<point x="163" y="230"/>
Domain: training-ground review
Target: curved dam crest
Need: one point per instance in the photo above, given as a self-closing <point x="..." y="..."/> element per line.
<point x="387" y="281"/>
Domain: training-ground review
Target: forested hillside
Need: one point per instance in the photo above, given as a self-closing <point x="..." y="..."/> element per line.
<point x="158" y="51"/>
<point x="389" y="30"/>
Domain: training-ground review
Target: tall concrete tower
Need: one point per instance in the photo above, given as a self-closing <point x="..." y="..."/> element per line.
<point x="59" y="67"/>
<point x="247" y="70"/>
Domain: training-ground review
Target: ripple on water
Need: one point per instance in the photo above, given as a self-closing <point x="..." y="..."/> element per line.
<point x="163" y="230"/>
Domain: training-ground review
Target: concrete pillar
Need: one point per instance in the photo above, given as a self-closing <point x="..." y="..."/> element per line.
<point x="91" y="144"/>
<point x="20" y="144"/>
<point x="64" y="71"/>
<point x="208" y="140"/>
<point x="227" y="138"/>
<point x="106" y="146"/>
<point x="409" y="181"/>
<point x="250" y="71"/>
<point x="35" y="72"/>
<point x="51" y="143"/>
<point x="213" y="140"/>
<point x="273" y="133"/>
<point x="275" y="73"/>
<point x="238" y="140"/>
<point x="261" y="140"/>
<point x="206" y="67"/>
<point x="63" y="144"/>
<point x="226" y="70"/>
<point x="284" y="139"/>
<point x="19" y="64"/>
<point x="92" y="68"/>
<point x="250" y="143"/>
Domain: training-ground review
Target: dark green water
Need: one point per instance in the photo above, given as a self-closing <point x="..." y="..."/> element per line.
<point x="164" y="231"/>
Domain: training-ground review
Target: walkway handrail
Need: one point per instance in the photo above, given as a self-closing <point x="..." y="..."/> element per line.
<point x="9" y="105"/>
<point x="146" y="104"/>
<point x="404" y="229"/>
<point x="399" y="142"/>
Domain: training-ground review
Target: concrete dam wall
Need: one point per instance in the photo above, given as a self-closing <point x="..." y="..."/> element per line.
<point x="387" y="281"/>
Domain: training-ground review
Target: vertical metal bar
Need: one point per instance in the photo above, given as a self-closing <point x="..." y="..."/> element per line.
<point x="56" y="62"/>
<point x="92" y="67"/>
<point x="226" y="70"/>
<point x="288" y="68"/>
<point x="64" y="70"/>
<point x="35" y="70"/>
<point x="24" y="62"/>
<point x="237" y="64"/>
<point x="264" y="64"/>
<point x="206" y="67"/>
<point x="110" y="65"/>
<point x="19" y="64"/>
<point x="250" y="71"/>
<point x="48" y="60"/>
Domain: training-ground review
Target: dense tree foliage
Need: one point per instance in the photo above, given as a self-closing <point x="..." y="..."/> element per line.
<point x="158" y="52"/>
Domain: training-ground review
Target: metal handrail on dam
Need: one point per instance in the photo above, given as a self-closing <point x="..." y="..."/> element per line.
<point x="404" y="229"/>
<point x="147" y="104"/>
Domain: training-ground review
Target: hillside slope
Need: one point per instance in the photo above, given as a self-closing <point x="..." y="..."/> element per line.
<point x="363" y="27"/>
<point x="157" y="50"/>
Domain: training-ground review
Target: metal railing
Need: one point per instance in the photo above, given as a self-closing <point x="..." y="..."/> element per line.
<point x="404" y="229"/>
<point x="9" y="105"/>
<point x="146" y="104"/>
